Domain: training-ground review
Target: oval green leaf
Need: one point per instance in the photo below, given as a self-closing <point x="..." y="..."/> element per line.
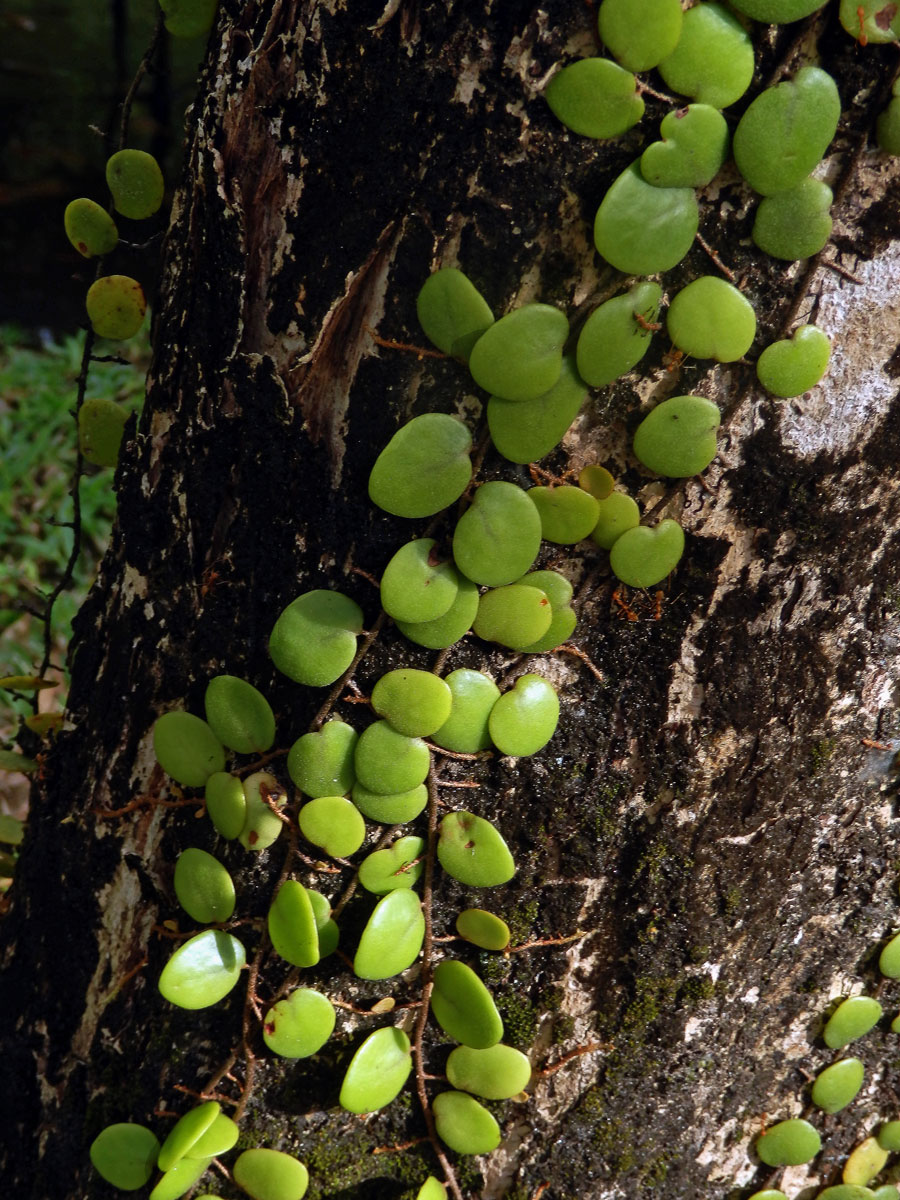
<point x="203" y="886"/>
<point x="377" y="1071"/>
<point x="497" y="1073"/>
<point x="424" y="467"/>
<point x="321" y="764"/>
<point x="465" y="1125"/>
<point x="314" y="639"/>
<point x="641" y="229"/>
<point x="678" y="438"/>
<point x="299" y="1025"/>
<point x="125" y="1155"/>
<point x="520" y="356"/>
<point x="271" y="1175"/>
<point x="239" y="715"/>
<point x="203" y="970"/>
<point x="498" y="537"/>
<point x="473" y="851"/>
<point x="187" y="749"/>
<point x="392" y="938"/>
<point x="524" y="719"/>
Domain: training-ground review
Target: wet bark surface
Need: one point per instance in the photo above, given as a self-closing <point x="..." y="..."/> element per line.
<point x="712" y="819"/>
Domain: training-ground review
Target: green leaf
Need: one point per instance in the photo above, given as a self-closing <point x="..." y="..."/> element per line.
<point x="694" y="146"/>
<point x="711" y="319"/>
<point x="466" y="729"/>
<point x="526" y="430"/>
<point x="239" y="715"/>
<point x="321" y="764"/>
<point x="179" y="1179"/>
<point x="203" y="970"/>
<point x="388" y="762"/>
<point x="261" y="826"/>
<point x="496" y="1073"/>
<point x="473" y="851"/>
<point x="415" y="703"/>
<point x="452" y="312"/>
<point x="463" y="1006"/>
<point x="392" y="938"/>
<point x="792" y="366"/>
<point x="396" y="866"/>
<point x="393" y="808"/>
<point x="641" y="229"/>
<point x="640" y="33"/>
<point x="188" y="1130"/>
<point x="789" y="1143"/>
<point x="520" y="356"/>
<point x="188" y="18"/>
<point x="465" y="1125"/>
<point x="678" y="438"/>
<point x="116" y="306"/>
<point x="299" y="1025"/>
<point x="136" y="183"/>
<point x="483" y="929"/>
<point x="125" y="1155"/>
<point x="226" y="803"/>
<point x="292" y="925"/>
<point x="271" y="1175"/>
<point x="850" y="1020"/>
<point x="203" y="886"/>
<point x="424" y="467"/>
<point x="101" y="424"/>
<point x="612" y="340"/>
<point x="595" y="97"/>
<point x="186" y="748"/>
<point x="498" y="537"/>
<point x="418" y="584"/>
<point x="836" y="1086"/>
<point x="713" y="59"/>
<point x="643" y="557"/>
<point x="313" y="641"/>
<point x="333" y="823"/>
<point x="377" y="1071"/>
<point x="795" y="224"/>
<point x="90" y="228"/>
<point x="524" y="719"/>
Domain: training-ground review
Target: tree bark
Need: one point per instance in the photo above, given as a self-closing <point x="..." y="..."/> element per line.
<point x="713" y="823"/>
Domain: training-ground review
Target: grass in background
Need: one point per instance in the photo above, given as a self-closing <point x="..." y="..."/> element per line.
<point x="37" y="465"/>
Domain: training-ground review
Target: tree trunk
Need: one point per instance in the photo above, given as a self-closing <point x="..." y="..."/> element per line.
<point x="711" y="826"/>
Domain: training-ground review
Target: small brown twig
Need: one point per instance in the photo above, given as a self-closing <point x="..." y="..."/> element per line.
<point x="389" y="344"/>
<point x="714" y="255"/>
<point x="590" y="1048"/>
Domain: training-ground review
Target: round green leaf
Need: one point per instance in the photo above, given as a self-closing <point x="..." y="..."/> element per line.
<point x="523" y="720"/>
<point x="261" y="826"/>
<point x="612" y="341"/>
<point x="222" y="1134"/>
<point x="452" y="312"/>
<point x="643" y="557"/>
<point x="567" y="513"/>
<point x="768" y="1194"/>
<point x="463" y="1007"/>
<point x="466" y="729"/>
<point x="850" y="1020"/>
<point x="424" y="467"/>
<point x="640" y="33"/>
<point x="616" y="514"/>
<point x="595" y="97"/>
<point x="520" y="356"/>
<point x="794" y="224"/>
<point x="498" y="537"/>
<point x="321" y="764"/>
<point x="136" y="183"/>
<point x="116" y="306"/>
<point x="497" y="1073"/>
<point x="786" y="130"/>
<point x="188" y="1130"/>
<point x="393" y="936"/>
<point x="472" y="851"/>
<point x="388" y="762"/>
<point x="377" y="1071"/>
<point x="203" y="970"/>
<point x="203" y="886"/>
<point x="179" y="1179"/>
<point x="525" y="430"/>
<point x="444" y="631"/>
<point x="513" y="616"/>
<point x="713" y="60"/>
<point x="789" y="1143"/>
<point x="186" y="748"/>
<point x="299" y="1025"/>
<point x="125" y="1155"/>
<point x="836" y="1086"/>
<point x="418" y="584"/>
<point x="188" y="18"/>
<point x="596" y="480"/>
<point x="465" y="1125"/>
<point x="101" y="424"/>
<point x="292" y="925"/>
<point x="239" y="715"/>
<point x="271" y="1175"/>
<point x="561" y="627"/>
<point x="641" y="229"/>
<point x="678" y="438"/>
<point x="694" y="146"/>
<point x="90" y="228"/>
<point x="555" y="587"/>
<point x="845" y="1191"/>
<point x="416" y="703"/>
<point x="792" y="366"/>
<point x="333" y="823"/>
<point x="711" y="319"/>
<point x="226" y="803"/>
<point x="396" y="866"/>
<point x="392" y="808"/>
<point x="482" y="929"/>
<point x="314" y="640"/>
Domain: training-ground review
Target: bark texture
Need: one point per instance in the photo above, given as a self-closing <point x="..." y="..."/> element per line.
<point x="710" y="816"/>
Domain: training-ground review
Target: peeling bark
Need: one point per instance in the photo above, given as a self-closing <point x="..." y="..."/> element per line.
<point x="714" y="817"/>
